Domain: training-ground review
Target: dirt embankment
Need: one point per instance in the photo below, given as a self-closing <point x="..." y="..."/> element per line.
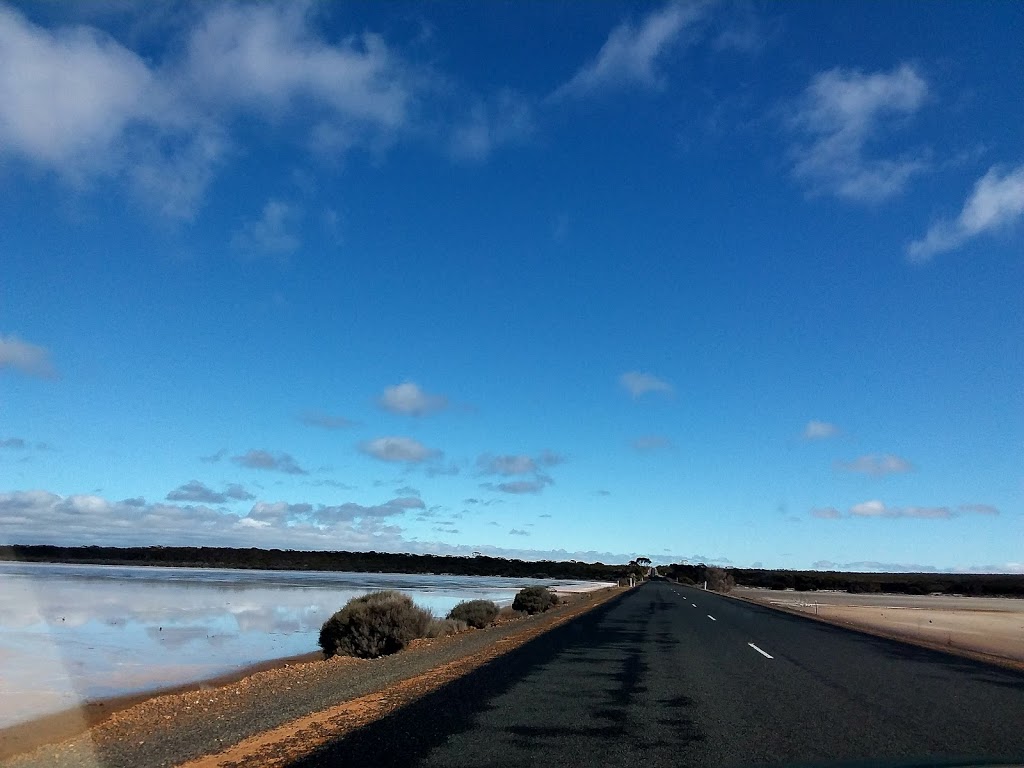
<point x="990" y="629"/>
<point x="272" y="716"/>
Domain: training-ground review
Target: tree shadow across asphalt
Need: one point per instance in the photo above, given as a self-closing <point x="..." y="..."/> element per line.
<point x="464" y="714"/>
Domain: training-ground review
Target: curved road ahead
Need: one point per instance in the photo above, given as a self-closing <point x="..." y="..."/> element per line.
<point x="670" y="675"/>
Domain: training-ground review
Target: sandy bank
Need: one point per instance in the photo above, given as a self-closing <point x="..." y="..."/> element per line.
<point x="991" y="629"/>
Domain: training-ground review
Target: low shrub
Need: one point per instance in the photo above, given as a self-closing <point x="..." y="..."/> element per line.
<point x="445" y="627"/>
<point x="375" y="624"/>
<point x="508" y="613"/>
<point x="534" y="600"/>
<point x="476" y="613"/>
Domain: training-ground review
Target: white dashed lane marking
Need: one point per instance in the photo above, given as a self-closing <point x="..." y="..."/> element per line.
<point x="766" y="655"/>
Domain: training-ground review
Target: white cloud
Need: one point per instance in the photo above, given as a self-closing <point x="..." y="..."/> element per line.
<point x="820" y="430"/>
<point x="996" y="203"/>
<point x="76" y="102"/>
<point x="506" y="119"/>
<point x="266" y="58"/>
<point x="26" y="358"/>
<point x="638" y="383"/>
<point x="878" y="510"/>
<point x="841" y="112"/>
<point x="403" y="449"/>
<point x="277" y="462"/>
<point x="409" y="399"/>
<point x="876" y="465"/>
<point x="272" y="234"/>
<point x="873" y="508"/>
<point x="631" y="54"/>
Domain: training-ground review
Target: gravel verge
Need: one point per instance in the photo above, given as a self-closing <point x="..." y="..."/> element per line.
<point x="173" y="729"/>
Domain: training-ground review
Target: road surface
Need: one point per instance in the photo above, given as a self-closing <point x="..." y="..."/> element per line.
<point x="670" y="675"/>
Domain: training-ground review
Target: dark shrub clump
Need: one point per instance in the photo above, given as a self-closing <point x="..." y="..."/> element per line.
<point x="476" y="613"/>
<point x="375" y="624"/>
<point x="534" y="600"/>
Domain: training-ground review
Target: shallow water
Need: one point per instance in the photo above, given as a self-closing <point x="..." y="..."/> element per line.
<point x="72" y="633"/>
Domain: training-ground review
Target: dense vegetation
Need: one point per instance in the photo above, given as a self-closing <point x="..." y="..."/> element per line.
<point x="534" y="600"/>
<point x="278" y="559"/>
<point x="978" y="584"/>
<point x="375" y="624"/>
<point x="476" y="613"/>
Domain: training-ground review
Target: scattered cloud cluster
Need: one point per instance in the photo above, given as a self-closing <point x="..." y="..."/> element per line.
<point x="533" y="477"/>
<point x="996" y="203"/>
<point x="274" y="233"/>
<point x="21" y="356"/>
<point x="876" y="465"/>
<point x="638" y="384"/>
<point x="878" y="510"/>
<point x="275" y="462"/>
<point x="199" y="493"/>
<point x="840" y="114"/>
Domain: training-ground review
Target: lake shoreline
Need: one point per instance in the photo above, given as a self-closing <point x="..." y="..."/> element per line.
<point x="67" y="723"/>
<point x="176" y="728"/>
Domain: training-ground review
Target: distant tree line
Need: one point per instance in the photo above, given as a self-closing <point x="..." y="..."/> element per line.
<point x="286" y="559"/>
<point x="978" y="584"/>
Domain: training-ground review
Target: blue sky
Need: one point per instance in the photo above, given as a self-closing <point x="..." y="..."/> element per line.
<point x="720" y="281"/>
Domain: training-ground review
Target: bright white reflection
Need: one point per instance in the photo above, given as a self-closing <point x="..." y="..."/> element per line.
<point x="72" y="633"/>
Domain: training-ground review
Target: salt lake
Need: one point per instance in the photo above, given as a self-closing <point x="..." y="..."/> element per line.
<point x="74" y="633"/>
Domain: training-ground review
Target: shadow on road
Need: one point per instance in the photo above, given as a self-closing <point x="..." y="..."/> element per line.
<point x="579" y="693"/>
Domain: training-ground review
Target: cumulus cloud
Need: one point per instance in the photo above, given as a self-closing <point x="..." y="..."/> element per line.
<point x="15" y="354"/>
<point x="400" y="449"/>
<point x="409" y="399"/>
<point x="633" y="52"/>
<point x="195" y="491"/>
<point x="276" y="462"/>
<point x="638" y="383"/>
<point x="650" y="443"/>
<point x="840" y="114"/>
<point x="820" y="430"/>
<point x="877" y="509"/>
<point x="76" y="102"/>
<point x="518" y="532"/>
<point x="325" y="420"/>
<point x="996" y="203"/>
<point x="876" y="465"/>
<point x="273" y="233"/>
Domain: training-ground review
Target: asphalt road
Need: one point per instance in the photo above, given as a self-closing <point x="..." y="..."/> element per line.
<point x="669" y="675"/>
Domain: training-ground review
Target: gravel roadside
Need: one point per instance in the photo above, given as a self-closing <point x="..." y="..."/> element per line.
<point x="173" y="729"/>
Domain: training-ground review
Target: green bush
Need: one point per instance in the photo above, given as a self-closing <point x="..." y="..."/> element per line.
<point x="375" y="624"/>
<point x="476" y="613"/>
<point x="534" y="600"/>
